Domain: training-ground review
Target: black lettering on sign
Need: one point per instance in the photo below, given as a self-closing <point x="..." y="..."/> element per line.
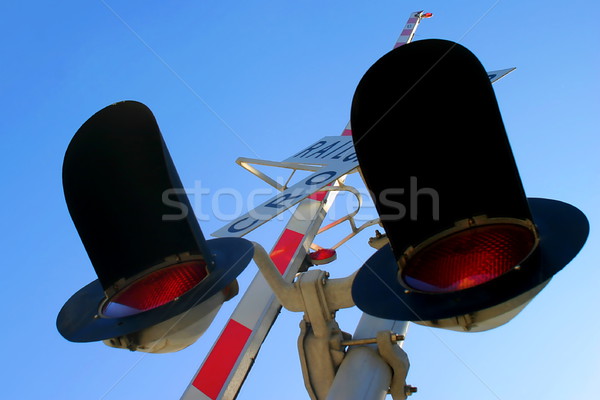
<point x="234" y="227"/>
<point x="323" y="150"/>
<point x="320" y="178"/>
<point x="339" y="155"/>
<point x="306" y="152"/>
<point x="339" y="148"/>
<point x="350" y="157"/>
<point x="278" y="201"/>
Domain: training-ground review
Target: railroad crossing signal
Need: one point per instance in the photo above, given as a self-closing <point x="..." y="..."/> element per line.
<point x="160" y="283"/>
<point x="465" y="241"/>
<point x="470" y="258"/>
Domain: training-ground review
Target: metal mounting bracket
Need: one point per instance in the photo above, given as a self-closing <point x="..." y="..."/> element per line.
<point x="319" y="343"/>
<point x="248" y="165"/>
<point x="349" y="217"/>
<point x="397" y="359"/>
<point x="318" y="297"/>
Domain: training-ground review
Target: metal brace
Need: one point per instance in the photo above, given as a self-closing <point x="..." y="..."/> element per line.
<point x="319" y="343"/>
<point x="391" y="352"/>
<point x="318" y="297"/>
<point x="397" y="359"/>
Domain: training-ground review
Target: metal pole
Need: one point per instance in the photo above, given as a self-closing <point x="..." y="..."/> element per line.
<point x="364" y="375"/>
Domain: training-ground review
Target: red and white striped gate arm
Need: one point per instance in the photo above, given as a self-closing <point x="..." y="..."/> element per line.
<point x="224" y="369"/>
<point x="229" y="361"/>
<point x="411" y="27"/>
<point x="406" y="36"/>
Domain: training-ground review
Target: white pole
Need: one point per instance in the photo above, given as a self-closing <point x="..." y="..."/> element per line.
<point x="364" y="375"/>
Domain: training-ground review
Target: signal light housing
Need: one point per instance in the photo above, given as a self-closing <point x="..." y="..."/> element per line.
<point x="155" y="289"/>
<point x="467" y="249"/>
<point x="160" y="283"/>
<point x="467" y="257"/>
<point x="378" y="291"/>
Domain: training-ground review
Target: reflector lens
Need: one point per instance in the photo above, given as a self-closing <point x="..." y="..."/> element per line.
<point x="468" y="258"/>
<point x="323" y="256"/>
<point x="158" y="288"/>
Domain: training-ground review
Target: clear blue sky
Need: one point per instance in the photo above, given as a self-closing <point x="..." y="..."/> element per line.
<point x="263" y="79"/>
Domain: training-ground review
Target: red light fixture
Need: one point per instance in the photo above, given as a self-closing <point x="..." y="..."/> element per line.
<point x="323" y="256"/>
<point x="160" y="282"/>
<point x="467" y="258"/>
<point x="475" y="250"/>
<point x="155" y="289"/>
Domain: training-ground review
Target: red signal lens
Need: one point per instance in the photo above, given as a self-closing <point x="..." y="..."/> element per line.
<point x="157" y="288"/>
<point x="323" y="256"/>
<point x="468" y="258"/>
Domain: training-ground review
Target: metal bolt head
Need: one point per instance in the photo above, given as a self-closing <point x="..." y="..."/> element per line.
<point x="409" y="390"/>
